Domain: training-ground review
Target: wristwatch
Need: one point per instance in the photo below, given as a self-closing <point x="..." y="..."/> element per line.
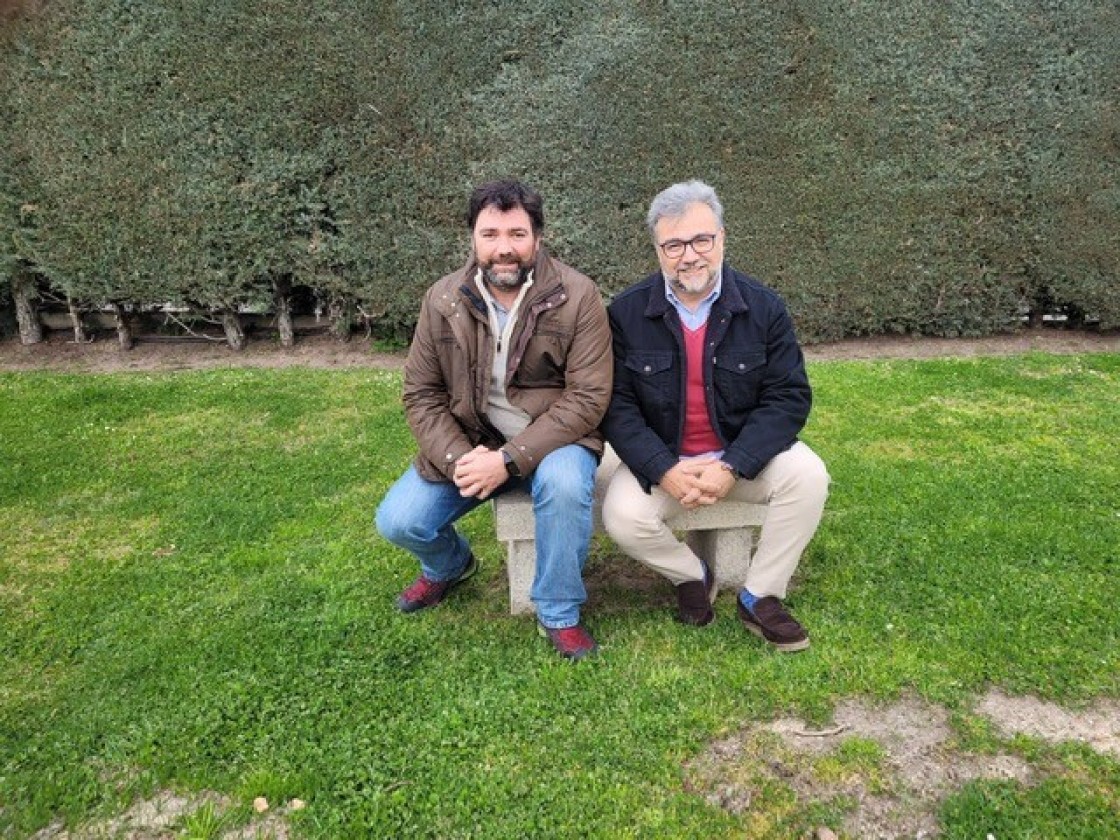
<point x="511" y="465"/>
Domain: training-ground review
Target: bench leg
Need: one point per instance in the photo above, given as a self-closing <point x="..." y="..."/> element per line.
<point x="521" y="566"/>
<point x="727" y="551"/>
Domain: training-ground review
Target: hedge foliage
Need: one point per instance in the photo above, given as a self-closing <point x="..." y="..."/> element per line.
<point x="936" y="168"/>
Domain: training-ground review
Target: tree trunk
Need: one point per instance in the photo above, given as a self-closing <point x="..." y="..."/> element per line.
<point x="235" y="335"/>
<point x="341" y="315"/>
<point x="124" y="327"/>
<point x="76" y="322"/>
<point x="281" y="289"/>
<point x="24" y="294"/>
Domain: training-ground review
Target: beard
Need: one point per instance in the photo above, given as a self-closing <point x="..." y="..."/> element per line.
<point x="693" y="283"/>
<point x="505" y="279"/>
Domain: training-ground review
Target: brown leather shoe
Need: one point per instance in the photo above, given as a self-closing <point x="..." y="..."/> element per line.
<point x="771" y="621"/>
<point x="694" y="600"/>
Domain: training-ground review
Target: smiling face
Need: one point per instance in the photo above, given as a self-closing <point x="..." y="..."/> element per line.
<point x="505" y="246"/>
<point x="691" y="275"/>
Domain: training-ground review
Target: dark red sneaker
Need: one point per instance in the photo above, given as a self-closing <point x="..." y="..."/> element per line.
<point x="572" y="642"/>
<point x="425" y="593"/>
<point x="771" y="621"/>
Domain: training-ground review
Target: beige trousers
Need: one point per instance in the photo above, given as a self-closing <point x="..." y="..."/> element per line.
<point x="794" y="485"/>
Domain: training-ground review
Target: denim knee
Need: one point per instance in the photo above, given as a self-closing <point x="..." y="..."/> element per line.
<point x="564" y="480"/>
<point x="389" y="523"/>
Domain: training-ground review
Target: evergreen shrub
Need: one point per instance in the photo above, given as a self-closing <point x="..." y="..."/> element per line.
<point x="905" y="167"/>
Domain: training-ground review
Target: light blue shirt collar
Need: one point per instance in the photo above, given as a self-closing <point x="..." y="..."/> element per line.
<point x="690" y="318"/>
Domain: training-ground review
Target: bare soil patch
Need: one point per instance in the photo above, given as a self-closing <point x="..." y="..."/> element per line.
<point x="58" y="353"/>
<point x="165" y="816"/>
<point x="889" y="768"/>
<point x="1098" y="726"/>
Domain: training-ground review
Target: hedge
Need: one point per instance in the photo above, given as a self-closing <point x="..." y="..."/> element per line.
<point x="940" y="169"/>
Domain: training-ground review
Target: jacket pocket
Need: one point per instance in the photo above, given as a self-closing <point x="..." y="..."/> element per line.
<point x="737" y="375"/>
<point x="655" y="377"/>
<point x="649" y="365"/>
<point x="544" y="362"/>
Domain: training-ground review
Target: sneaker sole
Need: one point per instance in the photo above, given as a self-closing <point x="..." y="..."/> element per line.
<point x="784" y="647"/>
<point x="472" y="567"/>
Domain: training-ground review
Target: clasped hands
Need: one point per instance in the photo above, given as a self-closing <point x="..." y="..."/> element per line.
<point x="693" y="482"/>
<point x="480" y="472"/>
<point x="697" y="481"/>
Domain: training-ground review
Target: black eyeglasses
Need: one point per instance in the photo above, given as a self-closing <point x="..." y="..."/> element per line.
<point x="701" y="244"/>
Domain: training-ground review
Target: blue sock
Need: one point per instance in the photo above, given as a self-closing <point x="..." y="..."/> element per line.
<point x="747" y="599"/>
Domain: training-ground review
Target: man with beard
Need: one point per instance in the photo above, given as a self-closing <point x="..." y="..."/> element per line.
<point x="710" y="393"/>
<point x="506" y="381"/>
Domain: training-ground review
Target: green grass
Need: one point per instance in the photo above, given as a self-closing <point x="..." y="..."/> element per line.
<point x="192" y="596"/>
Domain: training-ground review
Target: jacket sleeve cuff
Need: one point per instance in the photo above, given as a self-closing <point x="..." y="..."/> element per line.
<point x="522" y="463"/>
<point x="747" y="467"/>
<point x="656" y="468"/>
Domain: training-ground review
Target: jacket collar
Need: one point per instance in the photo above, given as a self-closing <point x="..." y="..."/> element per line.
<point x="730" y="298"/>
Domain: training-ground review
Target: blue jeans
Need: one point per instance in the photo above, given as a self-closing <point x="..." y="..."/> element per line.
<point x="419" y="515"/>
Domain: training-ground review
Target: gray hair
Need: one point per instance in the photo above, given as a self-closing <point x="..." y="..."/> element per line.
<point x="675" y="200"/>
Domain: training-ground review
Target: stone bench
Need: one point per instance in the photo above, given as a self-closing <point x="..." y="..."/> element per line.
<point x="722" y="534"/>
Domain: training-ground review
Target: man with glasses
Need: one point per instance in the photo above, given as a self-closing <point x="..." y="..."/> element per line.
<point x="710" y="393"/>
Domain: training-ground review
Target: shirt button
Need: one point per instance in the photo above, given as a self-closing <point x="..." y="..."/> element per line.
<point x="646" y="369"/>
<point x="714" y="360"/>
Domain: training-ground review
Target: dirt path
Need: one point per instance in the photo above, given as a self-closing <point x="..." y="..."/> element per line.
<point x="59" y="354"/>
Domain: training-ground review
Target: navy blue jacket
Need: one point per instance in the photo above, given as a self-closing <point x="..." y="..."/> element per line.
<point x="755" y="383"/>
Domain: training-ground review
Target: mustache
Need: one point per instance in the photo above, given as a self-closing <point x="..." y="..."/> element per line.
<point x="505" y="259"/>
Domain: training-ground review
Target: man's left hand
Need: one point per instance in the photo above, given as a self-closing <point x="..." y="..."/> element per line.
<point x="480" y="472"/>
<point x="714" y="480"/>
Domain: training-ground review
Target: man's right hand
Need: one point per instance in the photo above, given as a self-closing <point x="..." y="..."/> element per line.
<point x="480" y="472"/>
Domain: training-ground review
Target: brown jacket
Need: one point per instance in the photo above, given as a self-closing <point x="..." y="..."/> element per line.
<point x="560" y="369"/>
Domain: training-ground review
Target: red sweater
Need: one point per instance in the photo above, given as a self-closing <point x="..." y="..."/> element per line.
<point x="699" y="436"/>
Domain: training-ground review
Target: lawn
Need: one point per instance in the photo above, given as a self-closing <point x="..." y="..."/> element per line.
<point x="193" y="599"/>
